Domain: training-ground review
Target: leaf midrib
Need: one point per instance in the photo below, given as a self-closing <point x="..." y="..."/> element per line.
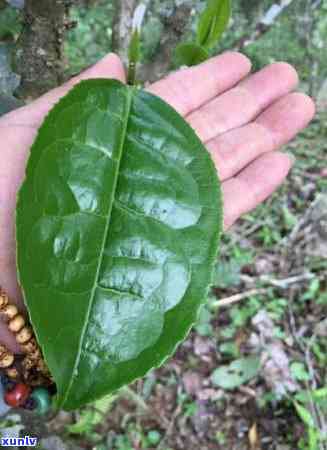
<point x="130" y="93"/>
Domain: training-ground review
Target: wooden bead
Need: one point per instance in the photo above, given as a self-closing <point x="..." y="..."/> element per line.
<point x="12" y="373"/>
<point x="24" y="335"/>
<point x="3" y="350"/>
<point x="35" y="355"/>
<point x="27" y="363"/>
<point x="18" y="395"/>
<point x="4" y="300"/>
<point x="30" y="347"/>
<point x="16" y="324"/>
<point x="9" y="312"/>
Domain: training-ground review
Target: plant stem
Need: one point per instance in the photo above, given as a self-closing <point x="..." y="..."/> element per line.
<point x="131" y="76"/>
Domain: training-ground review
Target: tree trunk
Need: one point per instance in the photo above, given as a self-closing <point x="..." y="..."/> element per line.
<point x="122" y="25"/>
<point x="39" y="57"/>
<point x="174" y="29"/>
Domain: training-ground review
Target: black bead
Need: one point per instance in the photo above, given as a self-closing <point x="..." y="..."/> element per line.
<point x="30" y="404"/>
<point x="7" y="383"/>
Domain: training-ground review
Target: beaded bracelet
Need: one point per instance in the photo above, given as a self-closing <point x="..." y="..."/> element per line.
<point x="25" y="377"/>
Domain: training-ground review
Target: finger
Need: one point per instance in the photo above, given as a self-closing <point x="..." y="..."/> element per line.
<point x="253" y="185"/>
<point x="7" y="339"/>
<point x="234" y="150"/>
<point x="188" y="89"/>
<point x="244" y="102"/>
<point x="108" y="67"/>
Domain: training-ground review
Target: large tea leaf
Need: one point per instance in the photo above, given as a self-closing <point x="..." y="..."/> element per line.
<point x="118" y="222"/>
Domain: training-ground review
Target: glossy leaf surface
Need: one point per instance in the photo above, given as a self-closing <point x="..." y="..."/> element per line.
<point x="118" y="224"/>
<point x="213" y="22"/>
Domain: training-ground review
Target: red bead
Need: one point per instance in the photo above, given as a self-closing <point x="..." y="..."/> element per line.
<point x="17" y="396"/>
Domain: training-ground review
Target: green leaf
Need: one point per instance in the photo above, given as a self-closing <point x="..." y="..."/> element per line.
<point x="320" y="393"/>
<point x="118" y="224"/>
<point x="227" y="274"/>
<point x="299" y="371"/>
<point x="313" y="436"/>
<point x="305" y="415"/>
<point x="237" y="373"/>
<point x="213" y="22"/>
<point x="189" y="54"/>
<point x="92" y="416"/>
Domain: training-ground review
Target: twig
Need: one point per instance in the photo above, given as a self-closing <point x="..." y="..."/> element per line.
<point x="170" y="427"/>
<point x="227" y="301"/>
<point x="283" y="283"/>
<point x="286" y="282"/>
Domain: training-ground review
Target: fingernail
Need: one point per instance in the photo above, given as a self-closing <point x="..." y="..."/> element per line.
<point x="291" y="157"/>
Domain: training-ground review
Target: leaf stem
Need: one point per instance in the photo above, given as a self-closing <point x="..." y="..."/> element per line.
<point x="131" y="76"/>
<point x="133" y="57"/>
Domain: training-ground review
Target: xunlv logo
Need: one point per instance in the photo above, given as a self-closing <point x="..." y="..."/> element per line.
<point x="25" y="441"/>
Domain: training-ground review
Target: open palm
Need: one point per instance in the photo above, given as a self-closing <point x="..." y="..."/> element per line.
<point x="243" y="120"/>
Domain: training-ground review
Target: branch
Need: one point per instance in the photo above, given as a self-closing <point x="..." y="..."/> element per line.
<point x="228" y="301"/>
<point x="264" y="25"/>
<point x="39" y="58"/>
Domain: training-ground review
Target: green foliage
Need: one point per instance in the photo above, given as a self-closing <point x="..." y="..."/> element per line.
<point x="227" y="273"/>
<point x="230" y="349"/>
<point x="10" y="24"/>
<point x="190" y="54"/>
<point x="91" y="39"/>
<point x="236" y="373"/>
<point x="115" y="266"/>
<point x="203" y="325"/>
<point x="154" y="437"/>
<point x="91" y="416"/>
<point x="213" y="22"/>
<point x="304" y="402"/>
<point x="299" y="371"/>
<point x="312" y="292"/>
<point x="305" y="415"/>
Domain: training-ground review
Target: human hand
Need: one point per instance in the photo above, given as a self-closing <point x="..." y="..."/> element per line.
<point x="243" y="120"/>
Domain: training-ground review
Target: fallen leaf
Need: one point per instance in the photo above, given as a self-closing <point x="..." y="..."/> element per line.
<point x="192" y="382"/>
